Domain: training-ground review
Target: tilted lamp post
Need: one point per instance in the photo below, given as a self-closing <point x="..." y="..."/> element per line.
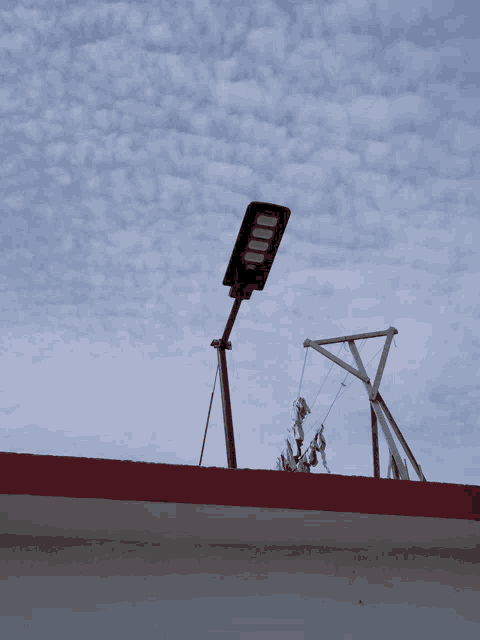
<point x="250" y="263"/>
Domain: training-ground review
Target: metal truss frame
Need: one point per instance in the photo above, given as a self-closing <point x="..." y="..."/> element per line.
<point x="378" y="408"/>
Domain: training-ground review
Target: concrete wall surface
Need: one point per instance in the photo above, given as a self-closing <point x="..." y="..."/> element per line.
<point x="87" y="568"/>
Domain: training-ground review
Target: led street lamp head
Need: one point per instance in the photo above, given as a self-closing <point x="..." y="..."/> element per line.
<point x="255" y="249"/>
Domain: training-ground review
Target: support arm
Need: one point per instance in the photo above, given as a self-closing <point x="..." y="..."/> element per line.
<point x="362" y="376"/>
<point x="402" y="470"/>
<point x="376" y="459"/>
<point x="399" y="435"/>
<point x="231" y="319"/>
<point x="221" y="345"/>
<point x="383" y="360"/>
<point x="378" y="410"/>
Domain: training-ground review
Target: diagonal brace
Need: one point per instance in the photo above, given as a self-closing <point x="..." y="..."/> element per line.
<point x="402" y="470"/>
<point x="390" y="333"/>
<point x="362" y="375"/>
<point x="378" y="410"/>
<point x="376" y="459"/>
<point x="402" y="440"/>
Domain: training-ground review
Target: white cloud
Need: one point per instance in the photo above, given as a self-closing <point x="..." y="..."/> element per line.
<point x="267" y="42"/>
<point x="374" y="185"/>
<point x="406" y="11"/>
<point x="240" y="95"/>
<point x="158" y="34"/>
<point x="18" y="42"/>
<point x="304" y="175"/>
<point x="339" y="279"/>
<point x="408" y="108"/>
<point x="133" y="149"/>
<point x="332" y="62"/>
<point x="372" y="113"/>
<point x="414" y="61"/>
<point x="225" y="69"/>
<point x="261" y="133"/>
<point x="364" y="303"/>
<point x="353" y="45"/>
<point x="339" y="158"/>
<point x="309" y="48"/>
<point x="340" y="13"/>
<point x="375" y="151"/>
<point x="229" y="174"/>
<point x="466" y="138"/>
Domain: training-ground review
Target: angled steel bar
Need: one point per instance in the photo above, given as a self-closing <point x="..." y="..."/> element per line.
<point x="221" y="345"/>
<point x="341" y="363"/>
<point x="391" y="443"/>
<point x="231" y="319"/>
<point x="399" y="435"/>
<point x="359" y="363"/>
<point x="376" y="458"/>
<point x="393" y="468"/>
<point x="358" y="336"/>
<point x="383" y="360"/>
<point x="358" y="360"/>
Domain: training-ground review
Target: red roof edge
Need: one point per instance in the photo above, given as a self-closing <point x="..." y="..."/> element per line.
<point x="74" y="477"/>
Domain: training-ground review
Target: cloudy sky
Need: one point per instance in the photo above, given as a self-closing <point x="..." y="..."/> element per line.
<point x="135" y="134"/>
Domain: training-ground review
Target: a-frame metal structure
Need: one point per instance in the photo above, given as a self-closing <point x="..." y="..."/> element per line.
<point x="378" y="408"/>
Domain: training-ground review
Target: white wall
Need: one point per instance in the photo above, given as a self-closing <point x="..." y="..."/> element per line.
<point x="80" y="568"/>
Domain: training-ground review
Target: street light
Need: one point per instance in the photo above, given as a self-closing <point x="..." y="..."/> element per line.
<point x="255" y="249"/>
<point x="252" y="257"/>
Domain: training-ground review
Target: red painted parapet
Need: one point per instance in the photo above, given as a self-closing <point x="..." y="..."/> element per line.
<point x="40" y="475"/>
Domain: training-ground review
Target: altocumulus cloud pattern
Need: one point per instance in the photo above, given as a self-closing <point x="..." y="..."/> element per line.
<point x="134" y="135"/>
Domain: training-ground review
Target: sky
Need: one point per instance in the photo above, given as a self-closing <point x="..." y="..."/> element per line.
<point x="135" y="134"/>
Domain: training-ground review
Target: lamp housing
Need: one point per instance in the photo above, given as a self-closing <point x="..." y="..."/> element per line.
<point x="257" y="243"/>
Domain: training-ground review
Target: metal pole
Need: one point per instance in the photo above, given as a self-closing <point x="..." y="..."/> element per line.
<point x="221" y="345"/>
<point x="376" y="460"/>
<point x="399" y="435"/>
<point x="227" y="409"/>
<point x="391" y="442"/>
<point x="231" y="319"/>
<point x="374" y="403"/>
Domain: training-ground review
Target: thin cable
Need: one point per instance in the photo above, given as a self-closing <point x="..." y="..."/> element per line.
<point x="331" y="406"/>
<point x="365" y="365"/>
<point x="322" y="419"/>
<point x="208" y="417"/>
<point x="325" y="379"/>
<point x="338" y="392"/>
<point x="303" y="371"/>
<point x="342" y="383"/>
<point x="300" y="385"/>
